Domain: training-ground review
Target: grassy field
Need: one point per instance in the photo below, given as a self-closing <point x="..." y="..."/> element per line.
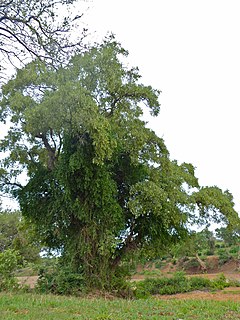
<point x="29" y="306"/>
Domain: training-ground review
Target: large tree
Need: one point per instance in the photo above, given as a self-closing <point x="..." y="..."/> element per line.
<point x="33" y="28"/>
<point x="100" y="183"/>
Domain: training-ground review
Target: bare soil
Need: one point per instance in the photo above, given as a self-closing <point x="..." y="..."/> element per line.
<point x="30" y="281"/>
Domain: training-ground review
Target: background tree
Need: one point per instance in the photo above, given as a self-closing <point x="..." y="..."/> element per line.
<point x="8" y="229"/>
<point x="31" y="28"/>
<point x="100" y="183"/>
<point x="230" y="236"/>
<point x="195" y="244"/>
<point x="16" y="235"/>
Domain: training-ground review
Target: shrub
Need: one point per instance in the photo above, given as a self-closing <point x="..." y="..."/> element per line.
<point x="209" y="253"/>
<point x="234" y="250"/>
<point x="199" y="283"/>
<point x="220" y="282"/>
<point x="224" y="256"/>
<point x="179" y="283"/>
<point x="8" y="264"/>
<point x="62" y="281"/>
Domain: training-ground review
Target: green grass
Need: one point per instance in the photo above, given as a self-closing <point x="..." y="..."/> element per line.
<point x="29" y="306"/>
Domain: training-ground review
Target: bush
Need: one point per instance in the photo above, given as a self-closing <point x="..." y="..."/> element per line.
<point x="62" y="281"/>
<point x="8" y="264"/>
<point x="199" y="283"/>
<point x="191" y="263"/>
<point x="220" y="282"/>
<point x="224" y="256"/>
<point x="209" y="252"/>
<point x="234" y="250"/>
<point x="179" y="283"/>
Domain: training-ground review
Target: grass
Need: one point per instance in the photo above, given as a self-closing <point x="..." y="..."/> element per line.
<point x="47" y="307"/>
<point x="154" y="272"/>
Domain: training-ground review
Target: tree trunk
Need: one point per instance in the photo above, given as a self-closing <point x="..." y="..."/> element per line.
<point x="201" y="263"/>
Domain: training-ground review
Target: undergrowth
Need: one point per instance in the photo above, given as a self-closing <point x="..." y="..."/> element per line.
<point x="179" y="283"/>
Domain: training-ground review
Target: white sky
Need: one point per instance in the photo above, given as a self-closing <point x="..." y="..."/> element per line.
<point x="191" y="51"/>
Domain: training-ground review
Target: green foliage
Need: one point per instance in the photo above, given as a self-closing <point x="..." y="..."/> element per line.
<point x="220" y="282"/>
<point x="179" y="283"/>
<point x="8" y="264"/>
<point x="8" y="229"/>
<point x="212" y="199"/>
<point x="200" y="283"/>
<point x="100" y="183"/>
<point x="150" y="286"/>
<point x="62" y="281"/>
<point x="196" y="243"/>
<point x="234" y="250"/>
<point x="223" y="255"/>
<point x="230" y="235"/>
<point x="16" y="234"/>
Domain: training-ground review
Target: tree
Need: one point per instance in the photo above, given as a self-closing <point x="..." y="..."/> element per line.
<point x="8" y="229"/>
<point x="195" y="244"/>
<point x="100" y="183"/>
<point x="8" y="265"/>
<point x="30" y="29"/>
<point x="16" y="235"/>
<point x="230" y="236"/>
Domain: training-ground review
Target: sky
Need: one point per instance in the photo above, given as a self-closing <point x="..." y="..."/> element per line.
<point x="190" y="51"/>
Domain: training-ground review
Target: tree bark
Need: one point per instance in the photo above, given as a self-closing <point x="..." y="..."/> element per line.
<point x="201" y="263"/>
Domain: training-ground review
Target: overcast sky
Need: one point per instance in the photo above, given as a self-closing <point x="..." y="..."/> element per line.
<point x="189" y="50"/>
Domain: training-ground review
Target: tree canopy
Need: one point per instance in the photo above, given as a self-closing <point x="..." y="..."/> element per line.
<point x="30" y="29"/>
<point x="100" y="184"/>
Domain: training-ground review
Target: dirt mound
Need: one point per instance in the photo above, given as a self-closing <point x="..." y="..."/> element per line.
<point x="212" y="265"/>
<point x="230" y="266"/>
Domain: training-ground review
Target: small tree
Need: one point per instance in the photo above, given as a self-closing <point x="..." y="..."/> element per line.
<point x="16" y="234"/>
<point x="8" y="264"/>
<point x="230" y="236"/>
<point x="8" y="229"/>
<point x="100" y="184"/>
<point x="195" y="243"/>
